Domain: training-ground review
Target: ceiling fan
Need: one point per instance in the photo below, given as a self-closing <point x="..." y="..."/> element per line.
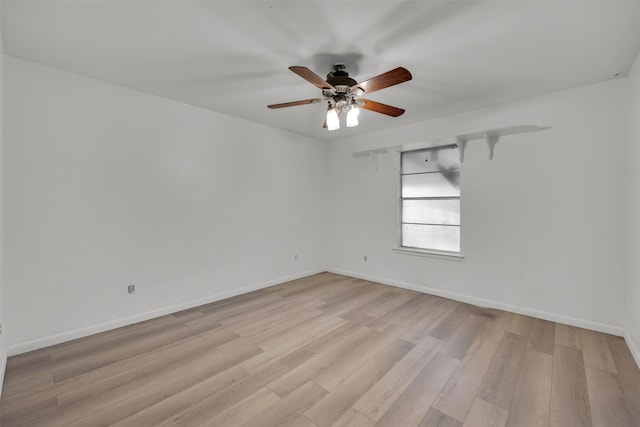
<point x="343" y="94"/>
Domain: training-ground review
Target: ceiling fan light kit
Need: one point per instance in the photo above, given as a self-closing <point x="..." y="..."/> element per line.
<point x="333" y="121"/>
<point x="343" y="94"/>
<point x="352" y="115"/>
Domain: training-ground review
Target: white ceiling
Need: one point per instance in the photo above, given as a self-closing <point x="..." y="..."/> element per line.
<point x="232" y="56"/>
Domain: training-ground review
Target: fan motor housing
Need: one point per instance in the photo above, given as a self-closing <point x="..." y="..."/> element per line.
<point x="339" y="78"/>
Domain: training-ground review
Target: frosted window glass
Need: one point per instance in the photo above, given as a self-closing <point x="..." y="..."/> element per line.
<point x="431" y="185"/>
<point x="430" y="197"/>
<point x="438" y="237"/>
<point x="431" y="211"/>
<point x="430" y="160"/>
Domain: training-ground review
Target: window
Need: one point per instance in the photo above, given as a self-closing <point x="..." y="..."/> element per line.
<point x="430" y="199"/>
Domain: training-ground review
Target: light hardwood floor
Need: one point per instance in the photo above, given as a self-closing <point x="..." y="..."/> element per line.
<point x="329" y="350"/>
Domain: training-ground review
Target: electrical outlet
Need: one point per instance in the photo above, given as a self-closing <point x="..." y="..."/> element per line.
<point x="131" y="289"/>
<point x="295" y="257"/>
<point x="365" y="258"/>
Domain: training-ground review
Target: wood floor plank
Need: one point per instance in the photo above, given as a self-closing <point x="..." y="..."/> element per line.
<point x="113" y="375"/>
<point x="628" y="371"/>
<point x="323" y="361"/>
<point x="328" y="410"/>
<point x="437" y="309"/>
<point x="484" y="414"/>
<point x="320" y="344"/>
<point x="82" y="365"/>
<point x="354" y="418"/>
<point x="396" y="299"/>
<point x="424" y="308"/>
<point x="464" y="336"/>
<point x="459" y="392"/>
<point x="542" y="336"/>
<point x="451" y="322"/>
<point x="375" y="402"/>
<point x="289" y="409"/>
<point x="140" y="370"/>
<point x="435" y="418"/>
<point x="240" y="348"/>
<point x="496" y="323"/>
<point x="367" y="296"/>
<point x="33" y="418"/>
<point x="211" y="405"/>
<point x="351" y="362"/>
<point x="379" y="299"/>
<point x="117" y="403"/>
<point x="291" y="339"/>
<point x="24" y="384"/>
<point x="349" y="292"/>
<point x="530" y="405"/>
<point x="119" y="337"/>
<point x="569" y="398"/>
<point x="500" y="382"/>
<point x="300" y="334"/>
<point x="306" y="285"/>
<point x="17" y="366"/>
<point x="245" y="410"/>
<point x="636" y="417"/>
<point x="17" y="412"/>
<point x="606" y="399"/>
<point x="569" y="336"/>
<point x="412" y="406"/>
<point x="520" y="325"/>
<point x="596" y="352"/>
<point x="282" y="317"/>
<point x="302" y="421"/>
<point x="399" y="313"/>
<point x="181" y="402"/>
<point x="240" y="304"/>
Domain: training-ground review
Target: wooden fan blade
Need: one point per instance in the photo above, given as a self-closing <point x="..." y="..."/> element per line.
<point x="324" y="126"/>
<point x="311" y="77"/>
<point x="380" y="108"/>
<point x="390" y="78"/>
<point x="294" y="103"/>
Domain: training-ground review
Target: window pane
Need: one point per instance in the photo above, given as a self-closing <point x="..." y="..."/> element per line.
<point x="438" y="237"/>
<point x="431" y="185"/>
<point x="431" y="211"/>
<point x="430" y="160"/>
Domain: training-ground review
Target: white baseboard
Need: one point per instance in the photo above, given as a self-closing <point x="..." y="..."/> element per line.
<point x="117" y="323"/>
<point x="567" y="320"/>
<point x="632" y="347"/>
<point x="3" y="367"/>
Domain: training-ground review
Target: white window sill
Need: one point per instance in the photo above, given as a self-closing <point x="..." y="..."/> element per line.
<point x="451" y="256"/>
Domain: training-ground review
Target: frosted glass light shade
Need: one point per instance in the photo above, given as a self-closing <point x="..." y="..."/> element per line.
<point x="352" y="117"/>
<point x="333" y="122"/>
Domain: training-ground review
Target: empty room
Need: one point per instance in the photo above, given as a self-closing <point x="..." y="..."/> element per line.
<point x="319" y="213"/>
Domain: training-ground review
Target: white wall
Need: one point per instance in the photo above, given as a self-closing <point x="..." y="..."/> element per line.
<point x="543" y="223"/>
<point x="105" y="186"/>
<point x="633" y="166"/>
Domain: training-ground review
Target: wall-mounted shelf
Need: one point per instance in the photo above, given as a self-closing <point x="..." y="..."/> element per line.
<point x="491" y="136"/>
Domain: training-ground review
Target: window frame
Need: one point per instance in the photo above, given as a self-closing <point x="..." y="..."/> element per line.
<point x="406" y="250"/>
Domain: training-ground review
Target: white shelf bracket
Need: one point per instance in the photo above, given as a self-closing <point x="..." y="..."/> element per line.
<point x="492" y="140"/>
<point x="462" y="144"/>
